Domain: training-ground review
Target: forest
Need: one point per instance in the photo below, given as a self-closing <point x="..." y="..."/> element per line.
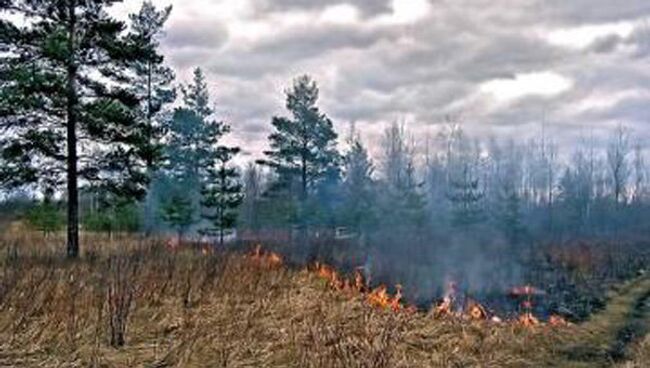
<point x="103" y="149"/>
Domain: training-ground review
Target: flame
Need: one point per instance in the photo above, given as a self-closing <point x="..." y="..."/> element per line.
<point x="395" y="302"/>
<point x="357" y="285"/>
<point x="264" y="259"/>
<point x="379" y="297"/>
<point x="360" y="281"/>
<point x="328" y="273"/>
<point x="527" y="319"/>
<point x="476" y="311"/>
<point x="444" y="308"/>
<point x="558" y="321"/>
<point x="526" y="290"/>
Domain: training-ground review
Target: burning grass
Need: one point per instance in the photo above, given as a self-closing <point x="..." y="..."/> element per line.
<point x="132" y="302"/>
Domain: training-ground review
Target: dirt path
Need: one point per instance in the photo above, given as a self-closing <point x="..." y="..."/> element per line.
<point x="611" y="337"/>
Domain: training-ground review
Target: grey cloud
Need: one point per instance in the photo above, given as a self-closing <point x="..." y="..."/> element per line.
<point x="425" y="70"/>
<point x="303" y="43"/>
<point x="606" y="44"/>
<point x="209" y="35"/>
<point x="367" y="7"/>
<point x="594" y="11"/>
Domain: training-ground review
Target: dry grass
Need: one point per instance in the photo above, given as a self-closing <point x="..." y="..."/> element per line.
<point x="641" y="355"/>
<point x="188" y="309"/>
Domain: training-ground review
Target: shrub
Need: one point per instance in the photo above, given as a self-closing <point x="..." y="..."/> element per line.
<point x="45" y="217"/>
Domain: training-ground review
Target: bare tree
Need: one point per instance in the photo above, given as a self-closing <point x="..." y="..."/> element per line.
<point x="640" y="175"/>
<point x="618" y="151"/>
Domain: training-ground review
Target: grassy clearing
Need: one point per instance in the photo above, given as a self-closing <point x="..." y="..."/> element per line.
<point x="190" y="309"/>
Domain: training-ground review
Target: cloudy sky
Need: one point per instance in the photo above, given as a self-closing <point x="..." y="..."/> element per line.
<point x="498" y="66"/>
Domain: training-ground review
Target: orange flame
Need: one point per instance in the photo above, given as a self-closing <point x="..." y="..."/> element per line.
<point x="527" y="319"/>
<point x="558" y="321"/>
<point x="264" y="259"/>
<point x="476" y="311"/>
<point x="444" y="308"/>
<point x="378" y="297"/>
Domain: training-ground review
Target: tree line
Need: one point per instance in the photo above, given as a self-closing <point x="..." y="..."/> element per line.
<point x="89" y="108"/>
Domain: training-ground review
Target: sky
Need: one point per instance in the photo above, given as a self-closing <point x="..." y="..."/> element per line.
<point x="499" y="67"/>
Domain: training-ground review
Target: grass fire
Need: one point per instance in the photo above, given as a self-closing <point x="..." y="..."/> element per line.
<point x="293" y="183"/>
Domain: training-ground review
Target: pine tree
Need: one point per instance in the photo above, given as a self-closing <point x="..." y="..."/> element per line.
<point x="358" y="186"/>
<point x="509" y="215"/>
<point x="465" y="196"/>
<point x="402" y="202"/>
<point x="152" y="79"/>
<point x="413" y="202"/>
<point x="303" y="147"/>
<point x="179" y="212"/>
<point x="45" y="216"/>
<point x="193" y="135"/>
<point x="65" y="112"/>
<point x="222" y="195"/>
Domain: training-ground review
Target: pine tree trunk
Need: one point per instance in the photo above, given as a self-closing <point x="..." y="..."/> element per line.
<point x="73" y="195"/>
<point x="148" y="210"/>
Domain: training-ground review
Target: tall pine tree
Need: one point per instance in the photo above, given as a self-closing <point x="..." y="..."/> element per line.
<point x="151" y="79"/>
<point x="193" y="150"/>
<point x="193" y="134"/>
<point x="303" y="147"/>
<point x="65" y="112"/>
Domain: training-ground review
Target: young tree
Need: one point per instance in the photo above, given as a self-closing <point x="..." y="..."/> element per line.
<point x="65" y="113"/>
<point x="179" y="213"/>
<point x="193" y="135"/>
<point x="504" y="190"/>
<point x="402" y="204"/>
<point x="358" y="186"/>
<point x="45" y="216"/>
<point x="252" y="195"/>
<point x="573" y="198"/>
<point x="303" y="147"/>
<point x="114" y="215"/>
<point x="465" y="196"/>
<point x="223" y="194"/>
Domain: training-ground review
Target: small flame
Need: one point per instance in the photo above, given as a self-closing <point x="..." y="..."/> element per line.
<point x="264" y="259"/>
<point x="558" y="321"/>
<point x="378" y="297"/>
<point x="527" y="319"/>
<point x="476" y="311"/>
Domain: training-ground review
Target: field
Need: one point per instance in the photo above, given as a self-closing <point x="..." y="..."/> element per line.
<point x="136" y="302"/>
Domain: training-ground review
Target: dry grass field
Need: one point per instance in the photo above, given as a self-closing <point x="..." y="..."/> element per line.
<point x="137" y="303"/>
